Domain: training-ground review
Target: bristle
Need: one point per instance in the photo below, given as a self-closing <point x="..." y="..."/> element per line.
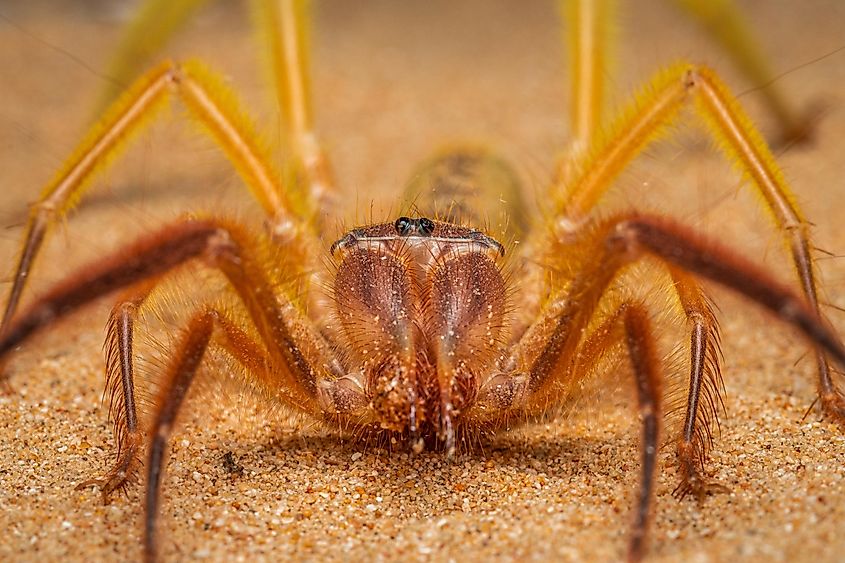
<point x="217" y="109"/>
<point x="738" y="138"/>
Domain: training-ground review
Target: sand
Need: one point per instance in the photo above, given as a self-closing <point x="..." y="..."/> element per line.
<point x="391" y="84"/>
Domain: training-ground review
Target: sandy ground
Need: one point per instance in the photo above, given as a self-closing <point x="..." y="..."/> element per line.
<point x="391" y="84"/>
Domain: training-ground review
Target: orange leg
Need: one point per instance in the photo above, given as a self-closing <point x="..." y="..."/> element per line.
<point x="537" y="370"/>
<point x="292" y="364"/>
<point x="704" y="401"/>
<point x="588" y="46"/>
<point x="176" y="381"/>
<point x="705" y="393"/>
<point x="120" y="388"/>
<point x="545" y="352"/>
<point x="641" y="349"/>
<point x="290" y="341"/>
<point x="631" y="319"/>
<point x="120" y="382"/>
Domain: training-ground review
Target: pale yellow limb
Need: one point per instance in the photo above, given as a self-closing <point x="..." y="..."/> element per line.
<point x="212" y="104"/>
<point x="654" y="109"/>
<point x="285" y="27"/>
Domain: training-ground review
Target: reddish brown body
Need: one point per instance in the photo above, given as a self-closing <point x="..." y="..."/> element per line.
<point x="421" y="306"/>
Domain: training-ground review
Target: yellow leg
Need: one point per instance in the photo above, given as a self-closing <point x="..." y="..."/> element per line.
<point x="214" y="106"/>
<point x="725" y="23"/>
<point x="285" y="27"/>
<point x="654" y="109"/>
<point x="588" y="46"/>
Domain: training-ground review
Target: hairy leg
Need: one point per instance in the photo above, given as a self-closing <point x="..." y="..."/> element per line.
<point x="656" y="108"/>
<point x="630" y="324"/>
<point x="120" y="388"/>
<point x="214" y="106"/>
<point x="705" y="390"/>
<point x="641" y="349"/>
<point x="542" y="368"/>
<point x="291" y="341"/>
<point x="177" y="379"/>
<point x="541" y="361"/>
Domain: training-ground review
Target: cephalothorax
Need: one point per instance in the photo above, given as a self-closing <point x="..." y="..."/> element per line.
<point x="414" y="332"/>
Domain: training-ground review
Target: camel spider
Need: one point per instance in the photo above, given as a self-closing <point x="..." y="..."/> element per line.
<point x="424" y="347"/>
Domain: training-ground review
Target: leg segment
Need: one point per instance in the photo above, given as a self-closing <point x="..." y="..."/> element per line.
<point x="146" y="259"/>
<point x="120" y="383"/>
<point x="545" y="352"/>
<point x="589" y="40"/>
<point x="631" y="319"/>
<point x="292" y="343"/>
<point x="214" y="106"/>
<point x="147" y="34"/>
<point x="285" y="27"/>
<point x="589" y="49"/>
<point x="726" y="24"/>
<point x="289" y="368"/>
<point x="705" y="391"/>
<point x="641" y="348"/>
<point x="640" y="124"/>
<point x="175" y="386"/>
<point x="120" y="388"/>
<point x="704" y="396"/>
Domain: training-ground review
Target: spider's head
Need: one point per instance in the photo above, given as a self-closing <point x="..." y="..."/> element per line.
<point x="438" y="236"/>
<point x="422" y="306"/>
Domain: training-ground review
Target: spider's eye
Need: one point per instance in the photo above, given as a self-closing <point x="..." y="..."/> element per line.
<point x="426" y="226"/>
<point x="403" y="225"/>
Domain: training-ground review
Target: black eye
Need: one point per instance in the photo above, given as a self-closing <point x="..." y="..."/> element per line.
<point x="426" y="226"/>
<point x="403" y="225"/>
